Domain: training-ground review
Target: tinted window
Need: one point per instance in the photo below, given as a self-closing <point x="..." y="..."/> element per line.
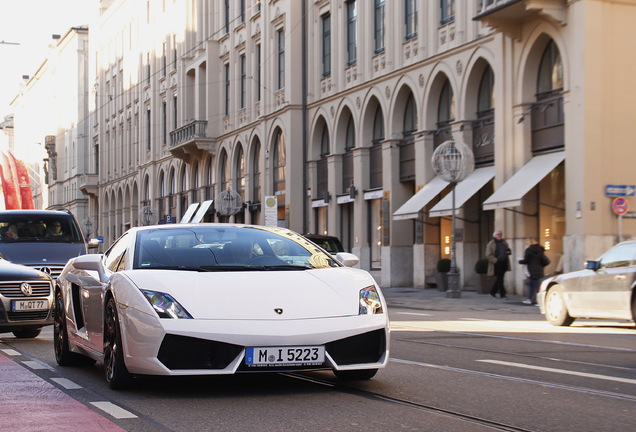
<point x="23" y="227"/>
<point x="114" y="257"/>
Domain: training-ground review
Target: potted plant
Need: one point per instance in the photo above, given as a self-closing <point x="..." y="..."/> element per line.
<point x="485" y="281"/>
<point x="441" y="276"/>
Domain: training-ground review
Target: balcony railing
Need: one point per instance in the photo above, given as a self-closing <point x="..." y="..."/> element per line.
<point x="191" y="139"/>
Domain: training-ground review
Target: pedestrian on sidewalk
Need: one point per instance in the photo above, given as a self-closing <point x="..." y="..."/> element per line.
<point x="497" y="252"/>
<point x="535" y="259"/>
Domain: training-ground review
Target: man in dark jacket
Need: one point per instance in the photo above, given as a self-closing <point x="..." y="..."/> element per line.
<point x="535" y="258"/>
<point x="497" y="251"/>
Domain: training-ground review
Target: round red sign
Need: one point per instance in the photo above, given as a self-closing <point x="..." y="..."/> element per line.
<point x="620" y="206"/>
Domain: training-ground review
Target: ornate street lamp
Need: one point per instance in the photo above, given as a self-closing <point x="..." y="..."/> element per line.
<point x="453" y="161"/>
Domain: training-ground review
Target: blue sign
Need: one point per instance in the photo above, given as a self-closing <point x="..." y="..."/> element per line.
<point x="100" y="239"/>
<point x="620" y="190"/>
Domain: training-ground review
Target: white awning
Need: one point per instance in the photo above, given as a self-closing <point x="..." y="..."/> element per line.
<point x="511" y="192"/>
<point x="189" y="213"/>
<point x="463" y="191"/>
<point x="205" y="206"/>
<point x="412" y="207"/>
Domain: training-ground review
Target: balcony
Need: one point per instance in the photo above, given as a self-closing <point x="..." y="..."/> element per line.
<point x="88" y="184"/>
<point x="190" y="141"/>
<point x="508" y="15"/>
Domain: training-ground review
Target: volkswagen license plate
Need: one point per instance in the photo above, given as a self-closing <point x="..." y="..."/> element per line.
<point x="29" y="305"/>
<point x="285" y="356"/>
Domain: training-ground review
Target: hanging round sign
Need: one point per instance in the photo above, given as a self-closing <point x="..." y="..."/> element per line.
<point x="620" y="206"/>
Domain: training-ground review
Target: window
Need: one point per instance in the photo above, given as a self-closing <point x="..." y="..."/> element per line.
<point x="242" y="15"/>
<point x="240" y="173"/>
<point x="279" y="165"/>
<point x="174" y="109"/>
<point x="281" y="59"/>
<point x="550" y="71"/>
<point x="225" y="171"/>
<point x="243" y="79"/>
<point x="378" y="25"/>
<point x="256" y="172"/>
<point x="376" y="150"/>
<point x="164" y="122"/>
<point x="410" y="17"/>
<point x="322" y="166"/>
<point x="448" y="11"/>
<point x="148" y="68"/>
<point x="227" y="90"/>
<point x="148" y="128"/>
<point x="257" y="81"/>
<point x="486" y="98"/>
<point x="326" y="45"/>
<point x="351" y="32"/>
<point x="164" y="58"/>
<point x="446" y="107"/>
<point x="174" y="51"/>
<point x="226" y="16"/>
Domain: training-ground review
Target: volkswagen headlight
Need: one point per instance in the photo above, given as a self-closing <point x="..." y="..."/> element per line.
<point x="370" y="302"/>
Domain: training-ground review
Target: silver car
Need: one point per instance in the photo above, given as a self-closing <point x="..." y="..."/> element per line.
<point x="605" y="289"/>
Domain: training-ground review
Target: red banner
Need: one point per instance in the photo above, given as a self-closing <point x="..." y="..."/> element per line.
<point x="16" y="186"/>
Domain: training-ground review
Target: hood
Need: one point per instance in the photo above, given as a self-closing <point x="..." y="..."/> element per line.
<point x="41" y="253"/>
<point x="257" y="295"/>
<point x="17" y="272"/>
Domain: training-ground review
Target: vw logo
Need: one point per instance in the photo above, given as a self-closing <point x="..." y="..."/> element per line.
<point x="26" y="289"/>
<point x="46" y="270"/>
<point x="279" y="311"/>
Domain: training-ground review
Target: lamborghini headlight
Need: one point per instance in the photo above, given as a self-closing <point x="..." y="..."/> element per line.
<point x="370" y="302"/>
<point x="165" y="305"/>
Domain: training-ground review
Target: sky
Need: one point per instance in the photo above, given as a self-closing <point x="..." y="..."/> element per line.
<point x="30" y="23"/>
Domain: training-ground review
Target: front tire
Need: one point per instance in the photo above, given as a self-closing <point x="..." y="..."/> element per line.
<point x="556" y="312"/>
<point x="27" y="333"/>
<point x="356" y="375"/>
<point x="117" y="374"/>
<point x="63" y="355"/>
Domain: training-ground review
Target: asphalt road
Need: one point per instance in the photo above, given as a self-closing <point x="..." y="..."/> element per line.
<point x="468" y="364"/>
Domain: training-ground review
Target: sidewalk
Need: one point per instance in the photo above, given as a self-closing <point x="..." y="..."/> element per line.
<point x="29" y="403"/>
<point x="432" y="299"/>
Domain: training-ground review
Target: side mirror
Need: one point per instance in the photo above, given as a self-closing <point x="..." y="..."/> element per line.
<point x="91" y="262"/>
<point x="592" y="265"/>
<point x="347" y="259"/>
<point x="93" y="243"/>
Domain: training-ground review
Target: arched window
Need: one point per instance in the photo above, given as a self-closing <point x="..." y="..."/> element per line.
<point x="240" y="172"/>
<point x="409" y="124"/>
<point x="376" y="150"/>
<point x="256" y="171"/>
<point x="446" y="107"/>
<point x="195" y="181"/>
<point x="486" y="99"/>
<point x="279" y="166"/>
<point x="484" y="126"/>
<point x="550" y="77"/>
<point x="407" y="147"/>
<point x="347" y="159"/>
<point x="225" y="171"/>
<point x="323" y="170"/>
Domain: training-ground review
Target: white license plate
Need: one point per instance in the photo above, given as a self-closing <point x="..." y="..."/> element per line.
<point x="29" y="305"/>
<point x="285" y="356"/>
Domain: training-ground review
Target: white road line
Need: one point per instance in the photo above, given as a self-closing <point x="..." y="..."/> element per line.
<point x="412" y="313"/>
<point x="66" y="383"/>
<point x="113" y="410"/>
<point x="10" y="352"/>
<point x="561" y="371"/>
<point x="37" y="365"/>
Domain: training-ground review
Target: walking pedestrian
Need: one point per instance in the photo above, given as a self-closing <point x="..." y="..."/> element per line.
<point x="535" y="259"/>
<point x="497" y="252"/>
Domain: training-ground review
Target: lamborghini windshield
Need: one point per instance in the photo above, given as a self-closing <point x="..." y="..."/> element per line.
<point x="220" y="248"/>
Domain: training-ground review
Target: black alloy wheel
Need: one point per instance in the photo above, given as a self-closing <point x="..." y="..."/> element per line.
<point x="117" y="374"/>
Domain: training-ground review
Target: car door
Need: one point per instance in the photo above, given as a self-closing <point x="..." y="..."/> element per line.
<point x="606" y="294"/>
<point x="93" y="295"/>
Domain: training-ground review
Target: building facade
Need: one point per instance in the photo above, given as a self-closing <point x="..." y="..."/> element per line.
<point x="336" y="108"/>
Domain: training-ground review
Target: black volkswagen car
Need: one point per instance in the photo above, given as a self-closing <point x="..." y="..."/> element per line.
<point x="26" y="300"/>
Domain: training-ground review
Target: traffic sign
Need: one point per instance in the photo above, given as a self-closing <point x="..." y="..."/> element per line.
<point x="620" y="190"/>
<point x="620" y="206"/>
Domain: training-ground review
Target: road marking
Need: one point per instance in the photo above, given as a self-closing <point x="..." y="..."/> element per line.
<point x="66" y="383"/>
<point x="37" y="365"/>
<point x="412" y="313"/>
<point x="561" y="371"/>
<point x="516" y="379"/>
<point x="10" y="352"/>
<point x="113" y="410"/>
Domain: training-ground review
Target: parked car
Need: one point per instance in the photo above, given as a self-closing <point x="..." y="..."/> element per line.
<point x="206" y="299"/>
<point x="41" y="239"/>
<point x="329" y="243"/>
<point x="606" y="288"/>
<point x="26" y="300"/>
